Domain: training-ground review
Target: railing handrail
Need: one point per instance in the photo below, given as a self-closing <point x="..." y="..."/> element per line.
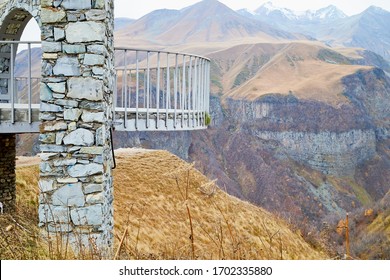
<point x="120" y="48"/>
<point x="160" y="51"/>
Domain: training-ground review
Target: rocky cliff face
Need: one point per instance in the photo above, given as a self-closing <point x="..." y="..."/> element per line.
<point x="329" y="152"/>
<point x="303" y="159"/>
<point x="369" y="91"/>
<point x="331" y="140"/>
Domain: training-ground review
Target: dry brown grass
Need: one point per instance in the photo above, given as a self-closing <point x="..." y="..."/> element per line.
<point x="19" y="234"/>
<point x="153" y="193"/>
<point x="293" y="68"/>
<point x="164" y="209"/>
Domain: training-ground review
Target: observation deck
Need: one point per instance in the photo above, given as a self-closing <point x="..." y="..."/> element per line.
<point x="154" y="91"/>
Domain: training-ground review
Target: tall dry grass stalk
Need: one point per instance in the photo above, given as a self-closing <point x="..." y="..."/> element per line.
<point x="177" y="175"/>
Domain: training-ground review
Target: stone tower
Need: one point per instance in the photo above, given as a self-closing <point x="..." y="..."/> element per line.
<point x="76" y="114"/>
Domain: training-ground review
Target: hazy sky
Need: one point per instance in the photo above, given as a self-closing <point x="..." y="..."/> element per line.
<point x="136" y="9"/>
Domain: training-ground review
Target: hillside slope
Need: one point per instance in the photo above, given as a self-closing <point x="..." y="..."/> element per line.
<point x="157" y="197"/>
<point x="150" y="199"/>
<point x="306" y="70"/>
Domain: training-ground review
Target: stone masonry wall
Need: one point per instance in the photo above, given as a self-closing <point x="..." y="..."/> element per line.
<point x="76" y="97"/>
<point x="7" y="171"/>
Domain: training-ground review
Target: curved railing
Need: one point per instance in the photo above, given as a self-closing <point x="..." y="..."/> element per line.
<point x="159" y="90"/>
<point x="155" y="90"/>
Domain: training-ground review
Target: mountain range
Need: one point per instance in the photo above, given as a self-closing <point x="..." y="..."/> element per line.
<point x="206" y="21"/>
<point x="268" y="10"/>
<point x="368" y="29"/>
<point x="212" y="21"/>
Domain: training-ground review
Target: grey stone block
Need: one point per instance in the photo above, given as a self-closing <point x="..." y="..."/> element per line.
<point x="91" y="215"/>
<point x="69" y="195"/>
<point x="80" y="137"/>
<point x="83" y="170"/>
<point x="67" y="66"/>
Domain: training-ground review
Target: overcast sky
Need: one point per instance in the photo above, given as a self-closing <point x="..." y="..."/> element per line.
<point x="137" y="9"/>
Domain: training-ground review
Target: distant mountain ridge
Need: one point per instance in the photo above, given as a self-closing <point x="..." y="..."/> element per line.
<point x="211" y="21"/>
<point x="325" y="14"/>
<point x="205" y="21"/>
<point x="368" y="29"/>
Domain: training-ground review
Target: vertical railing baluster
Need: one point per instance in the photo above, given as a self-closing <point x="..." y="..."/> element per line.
<point x="208" y="87"/>
<point x="195" y="92"/>
<point x="12" y="77"/>
<point x="189" y="90"/>
<point x="163" y="90"/>
<point x="136" y="90"/>
<point x="158" y="91"/>
<point x="185" y="95"/>
<point x="122" y="100"/>
<point x="144" y="89"/>
<point x="122" y="97"/>
<point x="129" y="83"/>
<point x="147" y="89"/>
<point x="179" y="86"/>
<point x="175" y="91"/>
<point x="183" y="92"/>
<point x="114" y="103"/>
<point x="124" y="80"/>
<point x="200" y="90"/>
<point x="29" y="84"/>
<point x="204" y="91"/>
<point x="202" y="94"/>
<point x="168" y="93"/>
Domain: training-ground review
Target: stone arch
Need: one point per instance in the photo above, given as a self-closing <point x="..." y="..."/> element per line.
<point x="15" y="15"/>
<point x="13" y="23"/>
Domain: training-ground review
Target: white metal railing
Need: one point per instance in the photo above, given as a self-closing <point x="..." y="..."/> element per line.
<point x="159" y="90"/>
<point x="154" y="90"/>
<point x="16" y="91"/>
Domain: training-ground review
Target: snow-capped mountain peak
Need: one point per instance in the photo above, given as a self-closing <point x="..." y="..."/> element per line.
<point x="269" y="8"/>
<point x="328" y="13"/>
<point x="245" y="11"/>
